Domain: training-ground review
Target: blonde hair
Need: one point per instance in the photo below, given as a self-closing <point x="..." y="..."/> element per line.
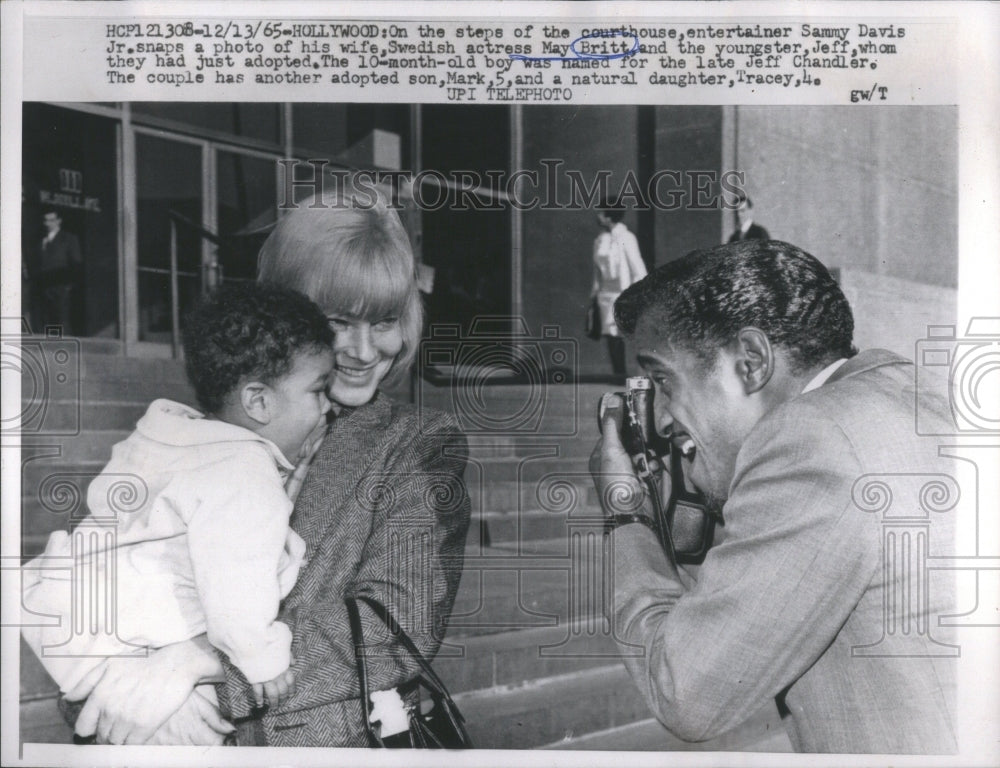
<point x="348" y="252"/>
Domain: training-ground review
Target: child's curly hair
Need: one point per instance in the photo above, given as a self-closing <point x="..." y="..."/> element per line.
<point x="249" y="331"/>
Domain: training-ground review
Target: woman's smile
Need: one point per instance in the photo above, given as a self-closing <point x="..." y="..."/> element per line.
<point x="355" y="372"/>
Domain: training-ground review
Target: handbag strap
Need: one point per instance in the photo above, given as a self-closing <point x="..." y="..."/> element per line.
<point x="359" y="655"/>
<point x="397" y="631"/>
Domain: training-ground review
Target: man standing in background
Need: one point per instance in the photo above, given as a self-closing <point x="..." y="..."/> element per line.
<point x="56" y="274"/>
<point x="746" y="229"/>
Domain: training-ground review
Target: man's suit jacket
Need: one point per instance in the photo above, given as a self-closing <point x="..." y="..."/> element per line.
<point x="754" y="232"/>
<point x="817" y="590"/>
<point x="59" y="256"/>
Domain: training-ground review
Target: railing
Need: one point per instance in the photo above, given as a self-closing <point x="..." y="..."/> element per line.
<point x="211" y="272"/>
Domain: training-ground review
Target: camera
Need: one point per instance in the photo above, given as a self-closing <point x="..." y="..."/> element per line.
<point x="961" y="374"/>
<point x="46" y="370"/>
<point x="685" y="526"/>
<point x="496" y="378"/>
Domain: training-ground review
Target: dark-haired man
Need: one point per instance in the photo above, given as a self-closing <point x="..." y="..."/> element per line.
<point x="56" y="273"/>
<point x="746" y="229"/>
<point x="749" y="346"/>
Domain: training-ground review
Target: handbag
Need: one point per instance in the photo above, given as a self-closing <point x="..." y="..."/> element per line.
<point x="592" y="324"/>
<point x="441" y="727"/>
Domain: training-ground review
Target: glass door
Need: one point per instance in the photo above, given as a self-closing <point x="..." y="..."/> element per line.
<point x="246" y="195"/>
<point x="169" y="180"/>
<point x="222" y="202"/>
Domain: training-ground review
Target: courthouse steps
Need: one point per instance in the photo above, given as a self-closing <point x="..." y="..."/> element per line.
<point x="527" y="653"/>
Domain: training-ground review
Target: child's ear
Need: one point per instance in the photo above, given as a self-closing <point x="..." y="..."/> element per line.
<point x="255" y="398"/>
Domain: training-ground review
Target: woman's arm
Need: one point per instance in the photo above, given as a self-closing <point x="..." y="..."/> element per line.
<point x="411" y="562"/>
<point x="130" y="698"/>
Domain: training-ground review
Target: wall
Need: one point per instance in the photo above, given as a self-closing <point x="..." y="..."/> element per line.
<point x="893" y="313"/>
<point x="871" y="189"/>
<point x="872" y="192"/>
<point x="687" y="139"/>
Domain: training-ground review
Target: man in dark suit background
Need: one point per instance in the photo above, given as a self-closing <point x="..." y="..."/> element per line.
<point x="746" y="229"/>
<point x="56" y="274"/>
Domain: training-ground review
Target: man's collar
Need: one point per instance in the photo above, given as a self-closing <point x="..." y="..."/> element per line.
<point x="863" y="361"/>
<point x="820" y="378"/>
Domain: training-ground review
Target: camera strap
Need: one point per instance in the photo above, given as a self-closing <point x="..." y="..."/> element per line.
<point x="643" y="463"/>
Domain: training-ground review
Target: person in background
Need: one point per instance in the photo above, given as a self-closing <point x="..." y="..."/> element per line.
<point x="745" y="227"/>
<point x="617" y="265"/>
<point x="56" y="273"/>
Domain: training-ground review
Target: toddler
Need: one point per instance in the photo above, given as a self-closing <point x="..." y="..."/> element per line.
<point x="200" y="541"/>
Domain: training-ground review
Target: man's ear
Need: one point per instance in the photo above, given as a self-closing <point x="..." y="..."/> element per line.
<point x="255" y="398"/>
<point x="755" y="359"/>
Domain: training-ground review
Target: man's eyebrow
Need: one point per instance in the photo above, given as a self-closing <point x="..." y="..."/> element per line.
<point x="648" y="361"/>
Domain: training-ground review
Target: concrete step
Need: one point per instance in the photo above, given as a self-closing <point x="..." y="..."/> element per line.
<point x="35" y="681"/>
<point x="468" y="663"/>
<point x="68" y="418"/>
<point x="569" y="493"/>
<point x="88" y="446"/>
<point x="42" y="723"/>
<point x="761" y="733"/>
<point x="503" y="589"/>
<point x="35" y="473"/>
<point x="72" y="375"/>
<point x="510" y="446"/>
<point x="527" y="469"/>
<point x="495" y="595"/>
<point x="525" y="412"/>
<point x="114" y="367"/>
<point x="539" y="712"/>
<point x="139" y="389"/>
<point x="507" y="530"/>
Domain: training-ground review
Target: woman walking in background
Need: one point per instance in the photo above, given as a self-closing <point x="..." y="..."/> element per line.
<point x="617" y="264"/>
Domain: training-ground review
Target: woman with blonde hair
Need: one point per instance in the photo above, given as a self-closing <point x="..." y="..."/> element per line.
<point x="382" y="508"/>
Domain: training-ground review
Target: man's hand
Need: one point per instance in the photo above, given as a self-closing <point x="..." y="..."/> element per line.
<point x="197" y="722"/>
<point x="619" y="491"/>
<point x="277" y="690"/>
<point x="128" y="699"/>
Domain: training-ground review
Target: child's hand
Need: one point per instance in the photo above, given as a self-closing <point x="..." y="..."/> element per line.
<point x="277" y="691"/>
<point x="312" y="443"/>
